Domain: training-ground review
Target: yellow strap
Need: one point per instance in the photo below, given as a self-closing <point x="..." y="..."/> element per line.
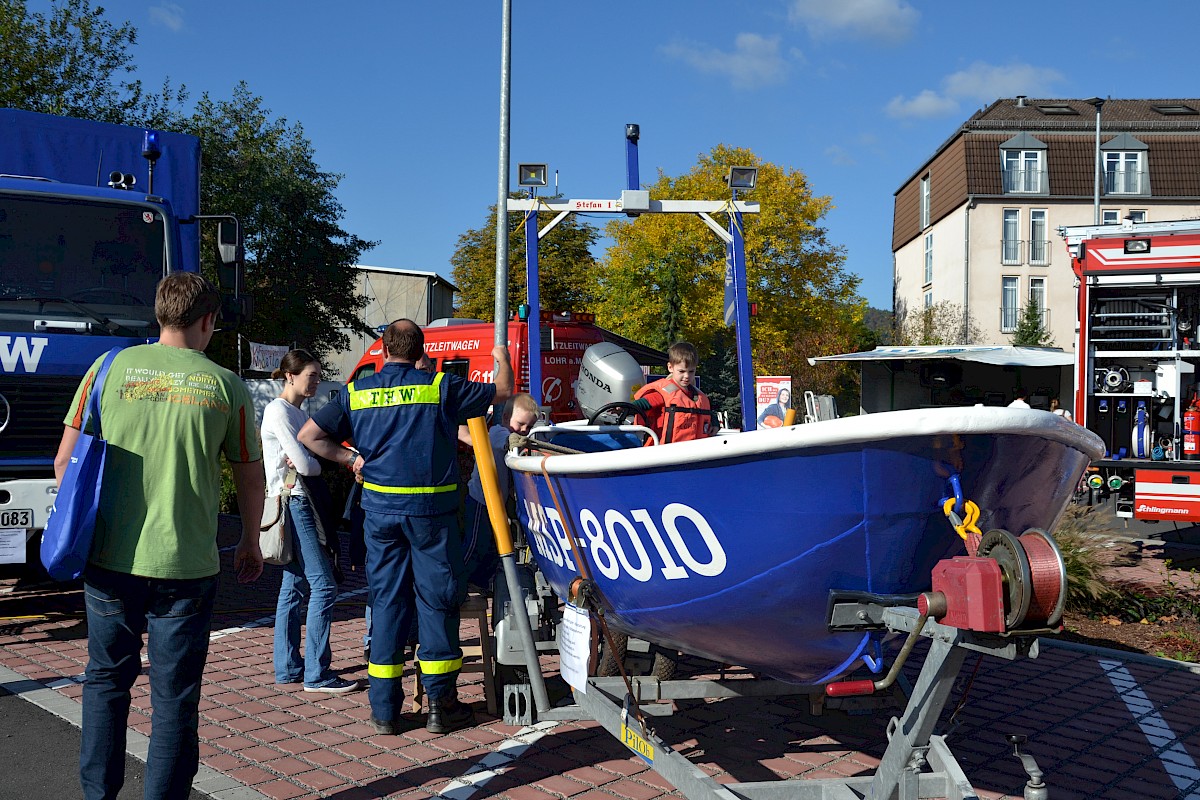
<point x="375" y="487"/>
<point x="391" y="396"/>
<point x="440" y="667"/>
<point x="385" y="670"/>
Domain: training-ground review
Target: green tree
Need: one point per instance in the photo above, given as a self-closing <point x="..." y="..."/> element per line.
<point x="1031" y="332"/>
<point x="665" y="272"/>
<point x="566" y="266"/>
<point x="943" y="323"/>
<point x="73" y="62"/>
<point x="299" y="260"/>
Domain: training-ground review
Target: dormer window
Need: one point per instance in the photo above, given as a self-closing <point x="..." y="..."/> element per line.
<point x="1024" y="171"/>
<point x="1124" y="160"/>
<point x="1023" y="159"/>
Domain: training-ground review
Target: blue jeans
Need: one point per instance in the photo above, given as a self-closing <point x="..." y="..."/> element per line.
<point x="178" y="613"/>
<point x="308" y="577"/>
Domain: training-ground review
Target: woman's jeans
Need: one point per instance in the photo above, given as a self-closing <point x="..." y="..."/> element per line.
<point x="308" y="577"/>
<point x="177" y="613"/>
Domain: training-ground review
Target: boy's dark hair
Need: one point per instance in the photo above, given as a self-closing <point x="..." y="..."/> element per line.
<point x="1020" y="393"/>
<point x="184" y="297"/>
<point x="683" y="353"/>
<point x="404" y="340"/>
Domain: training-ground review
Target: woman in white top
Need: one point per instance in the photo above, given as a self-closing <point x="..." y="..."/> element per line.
<point x="1062" y="412"/>
<point x="310" y="574"/>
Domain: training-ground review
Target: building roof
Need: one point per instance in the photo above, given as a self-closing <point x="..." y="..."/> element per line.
<point x="398" y="271"/>
<point x="1004" y="355"/>
<point x="1011" y="116"/>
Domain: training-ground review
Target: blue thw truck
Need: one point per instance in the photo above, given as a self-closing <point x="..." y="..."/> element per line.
<point x="92" y="215"/>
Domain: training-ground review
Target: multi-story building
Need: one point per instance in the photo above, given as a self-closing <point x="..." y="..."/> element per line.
<point x="976" y="225"/>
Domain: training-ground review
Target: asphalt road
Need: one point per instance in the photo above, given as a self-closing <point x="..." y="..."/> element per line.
<point x="40" y="754"/>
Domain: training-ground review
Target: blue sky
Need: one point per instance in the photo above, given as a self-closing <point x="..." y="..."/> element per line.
<point x="402" y="98"/>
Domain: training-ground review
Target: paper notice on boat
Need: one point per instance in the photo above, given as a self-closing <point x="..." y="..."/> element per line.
<point x="574" y="643"/>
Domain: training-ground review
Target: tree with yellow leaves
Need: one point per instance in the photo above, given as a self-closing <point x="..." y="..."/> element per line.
<point x="663" y="277"/>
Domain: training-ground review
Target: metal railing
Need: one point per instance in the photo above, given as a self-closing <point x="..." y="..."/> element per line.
<point x="1013" y="252"/>
<point x="1010" y="317"/>
<point x="1124" y="182"/>
<point x="1025" y="180"/>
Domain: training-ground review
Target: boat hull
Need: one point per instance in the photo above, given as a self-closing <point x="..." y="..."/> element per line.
<point x="731" y="551"/>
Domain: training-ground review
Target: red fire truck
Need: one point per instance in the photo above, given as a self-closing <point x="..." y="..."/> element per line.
<point x="1135" y="362"/>
<point x="464" y="347"/>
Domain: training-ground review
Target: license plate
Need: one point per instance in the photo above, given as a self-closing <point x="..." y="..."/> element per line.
<point x="16" y="518"/>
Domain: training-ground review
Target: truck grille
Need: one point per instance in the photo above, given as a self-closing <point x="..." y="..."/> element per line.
<point x="36" y="407"/>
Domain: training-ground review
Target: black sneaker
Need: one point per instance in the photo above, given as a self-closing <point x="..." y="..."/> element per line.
<point x="447" y="714"/>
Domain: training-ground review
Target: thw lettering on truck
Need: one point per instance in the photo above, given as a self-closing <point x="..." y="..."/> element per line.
<point x="676" y="541"/>
<point x="21" y="349"/>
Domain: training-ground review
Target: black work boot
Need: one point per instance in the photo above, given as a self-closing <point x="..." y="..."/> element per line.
<point x="447" y="714"/>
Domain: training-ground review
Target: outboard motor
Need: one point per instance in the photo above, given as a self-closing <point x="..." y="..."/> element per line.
<point x="607" y="375"/>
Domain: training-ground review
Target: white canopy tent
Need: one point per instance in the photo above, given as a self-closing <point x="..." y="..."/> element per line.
<point x="895" y="378"/>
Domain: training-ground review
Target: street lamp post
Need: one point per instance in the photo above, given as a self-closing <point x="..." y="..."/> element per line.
<point x="1098" y="102"/>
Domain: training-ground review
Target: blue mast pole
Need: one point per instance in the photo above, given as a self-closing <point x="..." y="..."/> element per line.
<point x="534" y="327"/>
<point x="742" y="321"/>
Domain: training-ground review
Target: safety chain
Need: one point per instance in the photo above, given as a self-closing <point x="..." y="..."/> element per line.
<point x="965" y="526"/>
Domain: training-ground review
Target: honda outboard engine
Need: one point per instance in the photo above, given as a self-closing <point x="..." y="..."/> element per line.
<point x="607" y="374"/>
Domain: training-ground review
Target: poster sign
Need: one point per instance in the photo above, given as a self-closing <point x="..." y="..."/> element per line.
<point x="574" y="645"/>
<point x="12" y="545"/>
<point x="266" y="357"/>
<point x="773" y="397"/>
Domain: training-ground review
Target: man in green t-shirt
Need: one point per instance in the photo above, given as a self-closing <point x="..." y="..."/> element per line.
<point x="168" y="413"/>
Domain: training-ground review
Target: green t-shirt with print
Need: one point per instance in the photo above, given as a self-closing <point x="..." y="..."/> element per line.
<point x="167" y="414"/>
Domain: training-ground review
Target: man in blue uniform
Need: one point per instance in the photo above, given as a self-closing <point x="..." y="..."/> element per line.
<point x="403" y="423"/>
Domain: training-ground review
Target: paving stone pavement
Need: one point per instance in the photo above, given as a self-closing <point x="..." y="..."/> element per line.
<point x="1101" y="724"/>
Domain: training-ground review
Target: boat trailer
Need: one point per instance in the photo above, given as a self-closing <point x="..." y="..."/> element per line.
<point x="1001" y="599"/>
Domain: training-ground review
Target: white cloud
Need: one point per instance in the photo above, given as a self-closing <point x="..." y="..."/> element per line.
<point x="169" y="15"/>
<point x="754" y="61"/>
<point x="886" y="20"/>
<point x="980" y="83"/>
<point x="927" y="104"/>
<point x="985" y="82"/>
<point x="840" y="156"/>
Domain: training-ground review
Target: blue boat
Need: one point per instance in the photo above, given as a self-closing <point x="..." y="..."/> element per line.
<point x="729" y="548"/>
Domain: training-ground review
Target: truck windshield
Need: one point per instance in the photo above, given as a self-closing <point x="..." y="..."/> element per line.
<point x="72" y="264"/>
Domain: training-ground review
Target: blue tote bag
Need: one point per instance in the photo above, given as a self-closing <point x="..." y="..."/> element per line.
<point x="67" y="539"/>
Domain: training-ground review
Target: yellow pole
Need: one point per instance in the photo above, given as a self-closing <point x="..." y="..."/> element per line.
<point x="486" y="461"/>
<point x="789" y="417"/>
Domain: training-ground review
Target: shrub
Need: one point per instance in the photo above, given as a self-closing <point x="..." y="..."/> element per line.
<point x="1080" y="537"/>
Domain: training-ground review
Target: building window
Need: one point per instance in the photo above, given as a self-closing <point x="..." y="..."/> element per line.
<point x="1110" y="216"/>
<point x="1123" y="173"/>
<point x="1023" y="171"/>
<point x="1010" y="244"/>
<point x="925" y="202"/>
<point x="1137" y="217"/>
<point x="1037" y="298"/>
<point x="1009" y="304"/>
<point x="929" y="299"/>
<point x="928" y="258"/>
<point x="1039" y="246"/>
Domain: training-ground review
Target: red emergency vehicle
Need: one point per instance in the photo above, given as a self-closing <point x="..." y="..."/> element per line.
<point x="1136" y="355"/>
<point x="464" y="347"/>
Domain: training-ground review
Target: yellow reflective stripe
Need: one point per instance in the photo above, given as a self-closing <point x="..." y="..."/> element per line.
<point x="440" y="667"/>
<point x="375" y="487"/>
<point x="390" y="396"/>
<point x="386" y="670"/>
